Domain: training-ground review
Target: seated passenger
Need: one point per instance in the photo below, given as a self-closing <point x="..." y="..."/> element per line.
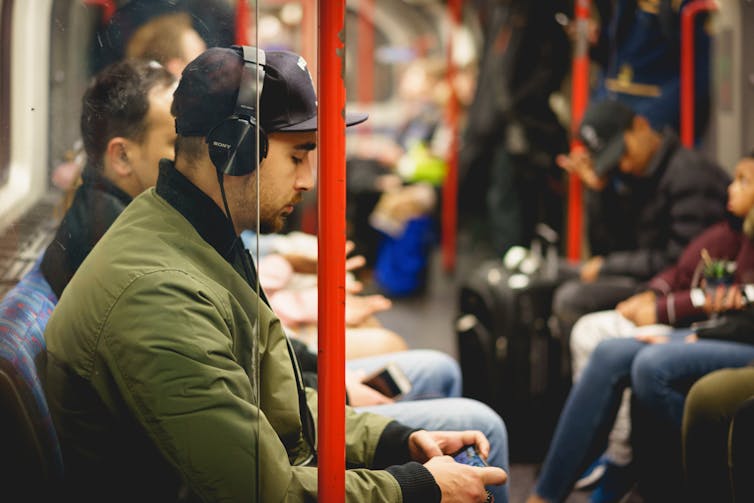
<point x="648" y="198"/>
<point x="126" y="129"/>
<point x="107" y="125"/>
<point x="150" y="370"/>
<point x="168" y="39"/>
<point x="659" y="374"/>
<point x="717" y="457"/>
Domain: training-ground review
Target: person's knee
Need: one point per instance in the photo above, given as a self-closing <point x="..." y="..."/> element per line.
<point x="586" y="333"/>
<point x="647" y="370"/>
<point x="482" y="417"/>
<point x="705" y="402"/>
<point x="611" y="359"/>
<point x="440" y="367"/>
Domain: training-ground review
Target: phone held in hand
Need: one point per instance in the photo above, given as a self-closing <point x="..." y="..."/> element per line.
<point x="469" y="456"/>
<point x="390" y="381"/>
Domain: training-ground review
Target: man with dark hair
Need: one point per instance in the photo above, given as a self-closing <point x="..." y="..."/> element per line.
<point x="167" y="377"/>
<point x="648" y="198"/>
<point x="126" y="127"/>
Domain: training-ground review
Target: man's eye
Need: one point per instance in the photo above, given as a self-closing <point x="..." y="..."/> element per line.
<point x="296" y="160"/>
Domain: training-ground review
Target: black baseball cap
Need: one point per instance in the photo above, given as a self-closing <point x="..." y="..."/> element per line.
<point x="208" y="89"/>
<point x="602" y="130"/>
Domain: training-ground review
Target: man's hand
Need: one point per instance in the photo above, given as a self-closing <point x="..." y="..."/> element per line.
<point x="361" y="395"/>
<point x="579" y="162"/>
<point x="360" y="308"/>
<point x="423" y="445"/>
<point x="461" y="483"/>
<point x="591" y="269"/>
<point x="629" y="307"/>
<point x="307" y="264"/>
<point x="724" y="299"/>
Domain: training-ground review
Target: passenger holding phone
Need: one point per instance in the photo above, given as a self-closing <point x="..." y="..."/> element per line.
<point x="150" y="375"/>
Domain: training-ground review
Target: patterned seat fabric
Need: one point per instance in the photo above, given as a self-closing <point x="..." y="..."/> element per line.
<point x="24" y="312"/>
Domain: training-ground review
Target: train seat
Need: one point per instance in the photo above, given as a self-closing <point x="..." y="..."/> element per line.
<point x="30" y="459"/>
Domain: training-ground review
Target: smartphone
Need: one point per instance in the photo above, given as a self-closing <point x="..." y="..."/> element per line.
<point x="390" y="381"/>
<point x="469" y="456"/>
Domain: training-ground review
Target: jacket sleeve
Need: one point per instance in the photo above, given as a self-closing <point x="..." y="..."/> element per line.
<point x="677" y="309"/>
<point x="694" y="192"/>
<point x="735" y="327"/>
<point x="182" y="380"/>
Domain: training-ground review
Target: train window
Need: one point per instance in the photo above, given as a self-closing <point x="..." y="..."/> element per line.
<point x="5" y="36"/>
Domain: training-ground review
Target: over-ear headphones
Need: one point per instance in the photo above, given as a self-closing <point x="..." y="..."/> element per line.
<point x="232" y="143"/>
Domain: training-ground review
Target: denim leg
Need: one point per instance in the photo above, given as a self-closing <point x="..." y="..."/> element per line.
<point x="663" y="373"/>
<point x="433" y="374"/>
<point x="661" y="376"/>
<point x="587" y="416"/>
<point x="454" y="414"/>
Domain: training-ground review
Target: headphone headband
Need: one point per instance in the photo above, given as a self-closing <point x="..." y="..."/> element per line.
<point x="233" y="142"/>
<point x="252" y="75"/>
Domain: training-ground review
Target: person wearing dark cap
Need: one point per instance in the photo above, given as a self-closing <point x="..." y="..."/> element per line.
<point x="168" y="376"/>
<point x="658" y="363"/>
<point x="647" y="197"/>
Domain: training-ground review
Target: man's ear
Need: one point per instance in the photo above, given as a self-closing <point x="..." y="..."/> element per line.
<point x="116" y="157"/>
<point x="175" y="66"/>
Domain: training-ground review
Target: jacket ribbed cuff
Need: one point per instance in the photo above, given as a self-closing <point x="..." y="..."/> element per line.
<point x="392" y="447"/>
<point x="417" y="484"/>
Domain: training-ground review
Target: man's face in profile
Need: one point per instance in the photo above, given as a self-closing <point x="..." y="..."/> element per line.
<point x="283" y="176"/>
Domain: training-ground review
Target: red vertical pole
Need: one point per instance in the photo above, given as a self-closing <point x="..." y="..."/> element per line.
<point x="450" y="186"/>
<point x="688" y="15"/>
<point x="331" y="274"/>
<point x="108" y="8"/>
<point x="579" y="101"/>
<point x="243" y="16"/>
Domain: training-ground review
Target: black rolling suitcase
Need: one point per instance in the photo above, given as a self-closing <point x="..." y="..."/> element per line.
<point x="508" y="356"/>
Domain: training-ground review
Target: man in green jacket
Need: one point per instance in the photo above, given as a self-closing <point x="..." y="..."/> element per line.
<point x="168" y="378"/>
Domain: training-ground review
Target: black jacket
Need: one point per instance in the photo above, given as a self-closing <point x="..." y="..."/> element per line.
<point x="96" y="205"/>
<point x="641" y="225"/>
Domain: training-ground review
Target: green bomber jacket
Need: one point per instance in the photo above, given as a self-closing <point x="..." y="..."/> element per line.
<point x="169" y="380"/>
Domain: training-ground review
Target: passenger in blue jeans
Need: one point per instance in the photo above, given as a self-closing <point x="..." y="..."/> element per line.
<point x="659" y="369"/>
<point x="654" y="371"/>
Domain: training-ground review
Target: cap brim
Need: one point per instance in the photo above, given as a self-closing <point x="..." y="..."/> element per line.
<point x="608" y="159"/>
<point x="311" y="124"/>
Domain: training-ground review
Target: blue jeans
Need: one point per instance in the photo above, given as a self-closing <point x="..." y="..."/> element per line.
<point x="435" y="376"/>
<point x="663" y="374"/>
<point x="661" y="377"/>
<point x="455" y="414"/>
<point x="653" y="371"/>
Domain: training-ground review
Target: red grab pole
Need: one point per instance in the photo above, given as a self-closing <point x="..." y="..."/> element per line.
<point x="579" y="101"/>
<point x="688" y="15"/>
<point x="450" y="186"/>
<point x="331" y="273"/>
<point x="108" y="8"/>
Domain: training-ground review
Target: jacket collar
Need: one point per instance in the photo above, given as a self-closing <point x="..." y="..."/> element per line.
<point x="198" y="208"/>
<point x="669" y="144"/>
<point x="93" y="179"/>
<point x="208" y="220"/>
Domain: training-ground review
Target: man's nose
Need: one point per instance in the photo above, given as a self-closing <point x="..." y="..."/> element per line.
<point x="305" y="178"/>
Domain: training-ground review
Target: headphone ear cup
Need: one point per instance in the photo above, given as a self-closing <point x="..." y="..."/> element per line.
<point x="222" y="142"/>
